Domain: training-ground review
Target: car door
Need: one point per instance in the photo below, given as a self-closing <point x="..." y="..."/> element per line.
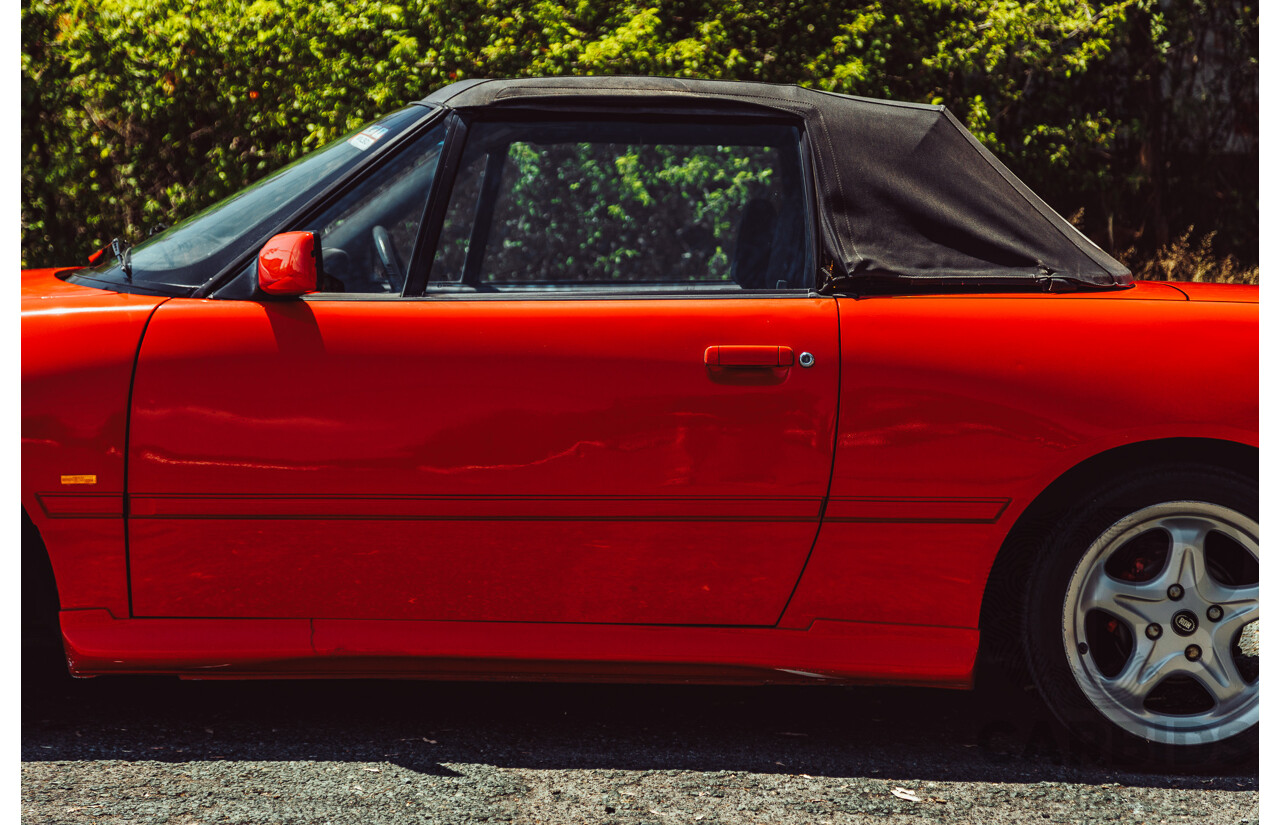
<point x="611" y="400"/>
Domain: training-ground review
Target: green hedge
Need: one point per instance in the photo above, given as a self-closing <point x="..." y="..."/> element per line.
<point x="138" y="112"/>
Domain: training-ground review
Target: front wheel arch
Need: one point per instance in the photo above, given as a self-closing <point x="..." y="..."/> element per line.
<point x="40" y="602"/>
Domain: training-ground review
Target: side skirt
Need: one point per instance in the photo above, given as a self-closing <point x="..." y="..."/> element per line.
<point x="831" y="652"/>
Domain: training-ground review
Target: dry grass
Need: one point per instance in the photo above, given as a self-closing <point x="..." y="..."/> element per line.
<point x="1184" y="260"/>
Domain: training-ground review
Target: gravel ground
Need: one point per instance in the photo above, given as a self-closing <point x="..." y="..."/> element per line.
<point x="160" y="750"/>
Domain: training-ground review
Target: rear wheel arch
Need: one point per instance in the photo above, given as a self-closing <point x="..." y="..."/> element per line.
<point x="1000" y="619"/>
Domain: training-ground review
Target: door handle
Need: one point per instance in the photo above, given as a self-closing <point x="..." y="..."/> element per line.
<point x="748" y="356"/>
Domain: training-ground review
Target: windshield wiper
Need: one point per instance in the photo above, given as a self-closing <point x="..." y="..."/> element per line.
<point x="121" y="249"/>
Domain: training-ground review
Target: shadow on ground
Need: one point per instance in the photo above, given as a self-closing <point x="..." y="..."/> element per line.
<point x="994" y="735"/>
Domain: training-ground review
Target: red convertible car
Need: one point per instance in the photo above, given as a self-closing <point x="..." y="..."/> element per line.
<point x="651" y="379"/>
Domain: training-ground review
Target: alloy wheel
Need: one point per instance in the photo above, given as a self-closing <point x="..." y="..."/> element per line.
<point x="1160" y="623"/>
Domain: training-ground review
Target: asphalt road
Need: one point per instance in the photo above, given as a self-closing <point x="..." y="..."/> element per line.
<point x="164" y="751"/>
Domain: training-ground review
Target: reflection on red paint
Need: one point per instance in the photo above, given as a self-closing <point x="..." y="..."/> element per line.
<point x="550" y="489"/>
<point x="589" y="413"/>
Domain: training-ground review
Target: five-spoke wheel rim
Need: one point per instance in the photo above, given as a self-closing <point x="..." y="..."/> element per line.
<point x="1149" y="609"/>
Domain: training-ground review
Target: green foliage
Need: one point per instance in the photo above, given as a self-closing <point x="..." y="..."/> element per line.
<point x="137" y="112"/>
<point x="677" y="208"/>
<point x="583" y="211"/>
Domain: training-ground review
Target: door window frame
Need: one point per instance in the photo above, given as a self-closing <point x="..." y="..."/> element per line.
<point x="451" y="157"/>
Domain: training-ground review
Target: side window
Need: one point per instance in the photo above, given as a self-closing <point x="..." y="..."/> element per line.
<point x="649" y="207"/>
<point x="367" y="236"/>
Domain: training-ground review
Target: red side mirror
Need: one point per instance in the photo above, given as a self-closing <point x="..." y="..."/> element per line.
<point x="288" y="264"/>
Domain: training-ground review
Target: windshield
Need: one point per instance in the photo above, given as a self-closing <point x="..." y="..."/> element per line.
<point x="190" y="253"/>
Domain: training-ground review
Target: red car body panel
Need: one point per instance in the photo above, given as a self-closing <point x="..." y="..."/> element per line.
<point x="77" y="359"/>
<point x="545" y="461"/>
<point x="566" y="489"/>
<point x="956" y="412"/>
<point x="1229" y="293"/>
<point x="845" y="652"/>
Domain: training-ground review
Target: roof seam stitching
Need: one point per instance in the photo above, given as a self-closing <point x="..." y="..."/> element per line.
<point x="794" y="107"/>
<point x="533" y="92"/>
<point x="901" y="104"/>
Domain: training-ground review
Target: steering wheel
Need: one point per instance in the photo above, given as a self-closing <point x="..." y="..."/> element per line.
<point x="390" y="260"/>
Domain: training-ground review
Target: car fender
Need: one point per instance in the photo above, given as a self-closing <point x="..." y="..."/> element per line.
<point x="957" y="412"/>
<point x="79" y="349"/>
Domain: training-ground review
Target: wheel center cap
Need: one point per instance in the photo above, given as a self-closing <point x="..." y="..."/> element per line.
<point x="1184" y="623"/>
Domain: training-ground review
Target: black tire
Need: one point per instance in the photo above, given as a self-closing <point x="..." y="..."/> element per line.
<point x="43" y="657"/>
<point x="1082" y="548"/>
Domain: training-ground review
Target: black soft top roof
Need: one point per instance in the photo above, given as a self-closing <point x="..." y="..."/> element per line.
<point x="906" y="192"/>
